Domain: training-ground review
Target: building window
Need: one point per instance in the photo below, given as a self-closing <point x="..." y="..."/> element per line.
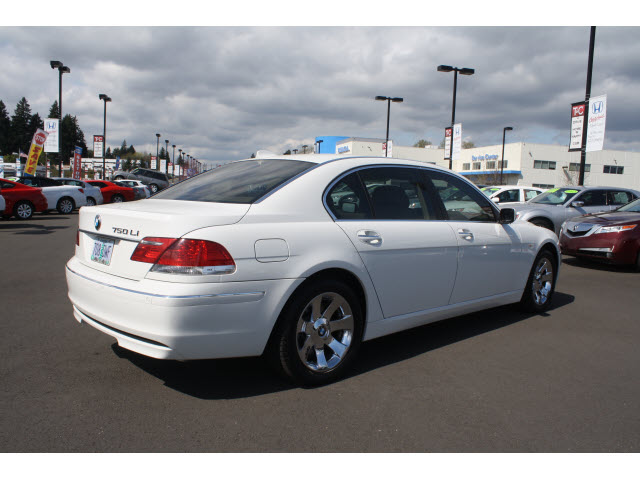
<point x="544" y="186"/>
<point x="466" y="166"/>
<point x="503" y="163"/>
<point x="575" y="167"/>
<point x="491" y="165"/>
<point x="476" y="166"/>
<point x="615" y="169"/>
<point x="544" y="164"/>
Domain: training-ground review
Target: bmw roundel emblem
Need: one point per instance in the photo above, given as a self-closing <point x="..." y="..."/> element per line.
<point x="97" y="222"/>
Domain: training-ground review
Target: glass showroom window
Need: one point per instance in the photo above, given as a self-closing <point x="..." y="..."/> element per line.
<point x="477" y="165"/>
<point x="614" y="169"/>
<point x="491" y="165"/>
<point x="544" y="165"/>
<point x="575" y="167"/>
<point x="503" y="163"/>
<point x="466" y="166"/>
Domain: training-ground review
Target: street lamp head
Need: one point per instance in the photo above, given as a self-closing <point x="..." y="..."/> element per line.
<point x="56" y="64"/>
<point x="445" y="68"/>
<point x="166" y="141"/>
<point x="508" y="129"/>
<point x="173" y="146"/>
<point x="381" y="98"/>
<point x="158" y="135"/>
<point x="104" y="97"/>
<point x="467" y="71"/>
<point x="397" y="99"/>
<point x="65" y="70"/>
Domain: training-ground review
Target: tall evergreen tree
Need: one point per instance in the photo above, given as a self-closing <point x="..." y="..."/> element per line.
<point x="54" y="111"/>
<point x="5" y="127"/>
<point x="72" y="136"/>
<point x="20" y="131"/>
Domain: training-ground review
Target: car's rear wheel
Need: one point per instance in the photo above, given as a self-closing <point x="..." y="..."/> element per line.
<point x="153" y="188"/>
<point x="538" y="293"/>
<point x="119" y="177"/>
<point x="65" y="205"/>
<point x="23" y="210"/>
<point x="90" y="202"/>
<point x="117" y="198"/>
<point x="319" y="333"/>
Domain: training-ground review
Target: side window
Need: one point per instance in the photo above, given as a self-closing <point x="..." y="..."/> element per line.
<point x="397" y="193"/>
<point x="461" y="202"/>
<point x="509" y="196"/>
<point x="529" y="194"/>
<point x="592" y="198"/>
<point x="347" y="199"/>
<point x="618" y="197"/>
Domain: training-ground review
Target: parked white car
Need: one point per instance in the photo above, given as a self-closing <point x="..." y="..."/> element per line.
<point x="301" y="258"/>
<point x="137" y="186"/>
<point x="3" y="204"/>
<point x="64" y="198"/>
<point x="505" y="194"/>
<point x="91" y="192"/>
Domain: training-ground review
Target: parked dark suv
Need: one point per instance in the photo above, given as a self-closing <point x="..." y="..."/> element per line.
<point x="154" y="179"/>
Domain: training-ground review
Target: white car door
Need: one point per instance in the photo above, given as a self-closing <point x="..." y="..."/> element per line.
<point x="410" y="255"/>
<point x="490" y="256"/>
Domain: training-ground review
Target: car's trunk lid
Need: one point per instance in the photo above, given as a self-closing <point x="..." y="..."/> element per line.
<point x="110" y="233"/>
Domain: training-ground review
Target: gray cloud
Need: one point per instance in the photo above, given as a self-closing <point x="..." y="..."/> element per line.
<point x="225" y="92"/>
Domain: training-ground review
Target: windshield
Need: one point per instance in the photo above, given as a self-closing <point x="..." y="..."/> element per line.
<point x="237" y="182"/>
<point x="555" y="196"/>
<point x="488" y="191"/>
<point x="631" y="207"/>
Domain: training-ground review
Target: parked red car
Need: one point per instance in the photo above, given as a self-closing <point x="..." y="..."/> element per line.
<point x="610" y="236"/>
<point x="113" y="193"/>
<point x="21" y="200"/>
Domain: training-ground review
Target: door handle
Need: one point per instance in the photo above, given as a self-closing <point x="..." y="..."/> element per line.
<point x="466" y="234"/>
<point x="370" y="237"/>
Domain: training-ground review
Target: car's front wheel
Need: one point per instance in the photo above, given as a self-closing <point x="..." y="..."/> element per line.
<point x="540" y="285"/>
<point x="117" y="198"/>
<point x="153" y="188"/>
<point x="319" y="333"/>
<point x="65" y="205"/>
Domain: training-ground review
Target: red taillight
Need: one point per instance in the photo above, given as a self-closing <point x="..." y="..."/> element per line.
<point x="184" y="256"/>
<point x="150" y="248"/>
<point x="81" y="190"/>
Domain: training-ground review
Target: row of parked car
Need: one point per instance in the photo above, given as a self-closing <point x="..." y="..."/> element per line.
<point x="20" y="197"/>
<point x="591" y="222"/>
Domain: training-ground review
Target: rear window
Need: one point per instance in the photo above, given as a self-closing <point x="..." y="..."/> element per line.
<point x="238" y="182"/>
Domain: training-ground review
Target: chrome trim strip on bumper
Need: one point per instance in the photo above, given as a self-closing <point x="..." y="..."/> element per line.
<point x="248" y="296"/>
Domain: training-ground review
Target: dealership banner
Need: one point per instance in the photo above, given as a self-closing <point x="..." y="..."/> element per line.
<point x="577" y="126"/>
<point x="596" y="122"/>
<point x="98" y="146"/>
<point x="37" y="145"/>
<point x="163" y="165"/>
<point x="117" y="167"/>
<point x="1" y="167"/>
<point x="153" y="163"/>
<point x="457" y="141"/>
<point x="447" y="143"/>
<point x="77" y="163"/>
<point x="51" y="127"/>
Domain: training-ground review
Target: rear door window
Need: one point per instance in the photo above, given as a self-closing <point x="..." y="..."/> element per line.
<point x="460" y="201"/>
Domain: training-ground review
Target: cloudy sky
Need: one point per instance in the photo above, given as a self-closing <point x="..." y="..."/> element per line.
<point x="224" y="92"/>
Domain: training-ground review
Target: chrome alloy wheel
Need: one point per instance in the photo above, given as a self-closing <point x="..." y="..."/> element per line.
<point x="542" y="281"/>
<point x="65" y="206"/>
<point x="324" y="332"/>
<point x="24" y="211"/>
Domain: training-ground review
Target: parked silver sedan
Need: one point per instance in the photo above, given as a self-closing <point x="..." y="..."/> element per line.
<point x="551" y="208"/>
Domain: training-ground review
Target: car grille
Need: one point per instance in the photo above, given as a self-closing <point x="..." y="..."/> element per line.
<point x="578" y="229"/>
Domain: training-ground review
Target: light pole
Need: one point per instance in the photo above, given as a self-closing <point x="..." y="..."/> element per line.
<point x="389" y="100"/>
<point x="173" y="163"/>
<point x="504" y="131"/>
<point x="105" y="99"/>
<point x="61" y="69"/>
<point x="295" y="150"/>
<point x="166" y="156"/>
<point x="304" y="148"/>
<point x="158" y="152"/>
<point x="319" y="142"/>
<point x="455" y="70"/>
<point x="587" y="95"/>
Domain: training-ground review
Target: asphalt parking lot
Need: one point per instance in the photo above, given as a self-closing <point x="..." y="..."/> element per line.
<point x="497" y="381"/>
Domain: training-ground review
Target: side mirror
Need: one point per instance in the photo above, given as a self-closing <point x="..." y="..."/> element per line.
<point x="495" y="199"/>
<point x="577" y="204"/>
<point x="507" y="215"/>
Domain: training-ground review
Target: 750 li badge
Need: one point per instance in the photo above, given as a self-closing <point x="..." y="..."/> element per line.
<point x="126" y="231"/>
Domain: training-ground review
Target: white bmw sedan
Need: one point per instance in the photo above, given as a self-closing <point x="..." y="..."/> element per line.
<point x="300" y="259"/>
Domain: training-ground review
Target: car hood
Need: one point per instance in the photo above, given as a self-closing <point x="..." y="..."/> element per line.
<point x="608" y="218"/>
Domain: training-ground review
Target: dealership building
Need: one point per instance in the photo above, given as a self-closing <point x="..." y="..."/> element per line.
<point x="532" y="164"/>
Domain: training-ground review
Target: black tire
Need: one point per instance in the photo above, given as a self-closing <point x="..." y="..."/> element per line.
<point x="117" y="198"/>
<point x="309" y="349"/>
<point x="638" y="262"/>
<point x="542" y="222"/>
<point x="23" y="210"/>
<point x="153" y="188"/>
<point x="66" y="205"/>
<point x="541" y="284"/>
<point x="119" y="177"/>
<point x="91" y="202"/>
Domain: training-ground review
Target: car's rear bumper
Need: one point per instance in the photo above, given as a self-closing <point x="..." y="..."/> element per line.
<point x="176" y="320"/>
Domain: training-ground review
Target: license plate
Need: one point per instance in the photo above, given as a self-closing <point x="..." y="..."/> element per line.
<point x="102" y="250"/>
